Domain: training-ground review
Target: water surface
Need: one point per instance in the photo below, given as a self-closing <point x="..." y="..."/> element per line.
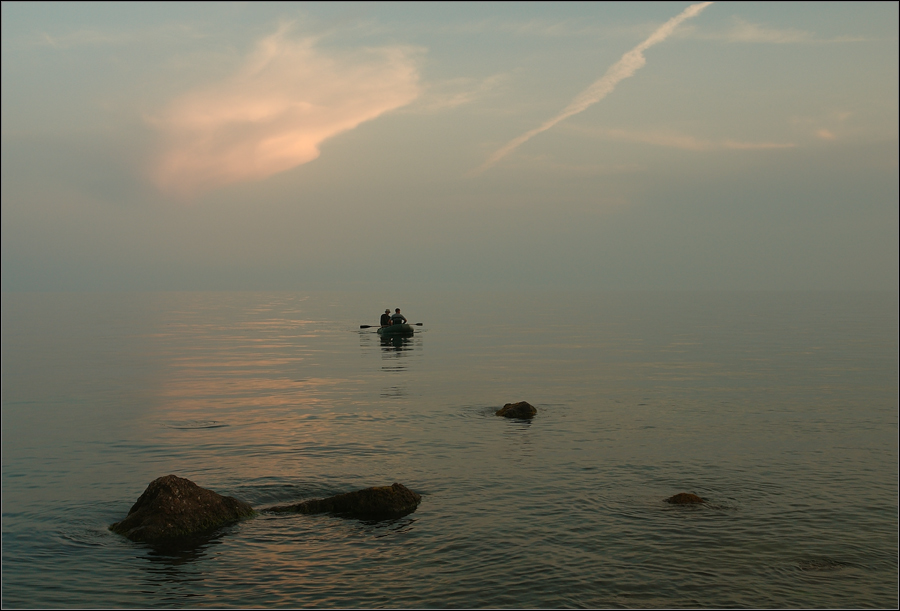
<point x="779" y="408"/>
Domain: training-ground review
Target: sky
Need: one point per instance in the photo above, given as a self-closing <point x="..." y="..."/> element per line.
<point x="584" y="146"/>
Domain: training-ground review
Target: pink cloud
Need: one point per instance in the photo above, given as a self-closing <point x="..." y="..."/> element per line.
<point x="274" y="113"/>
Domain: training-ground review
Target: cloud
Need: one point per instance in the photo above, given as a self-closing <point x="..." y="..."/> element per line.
<point x="109" y="38"/>
<point x="275" y="112"/>
<point x="451" y="93"/>
<point x="834" y="125"/>
<point x="630" y="63"/>
<point x="686" y="142"/>
<point x="746" y="32"/>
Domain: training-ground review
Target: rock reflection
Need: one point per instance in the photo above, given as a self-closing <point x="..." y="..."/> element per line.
<point x="184" y="551"/>
<point x="386" y="528"/>
<point x="171" y="568"/>
<point x="517" y="433"/>
<point x="519" y="425"/>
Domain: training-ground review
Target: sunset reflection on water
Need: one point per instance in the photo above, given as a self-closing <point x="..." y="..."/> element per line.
<point x="280" y="391"/>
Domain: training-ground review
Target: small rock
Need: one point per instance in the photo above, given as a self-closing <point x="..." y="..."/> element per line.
<point x="684" y="498"/>
<point x="172" y="508"/>
<point x="376" y="503"/>
<point x="521" y="409"/>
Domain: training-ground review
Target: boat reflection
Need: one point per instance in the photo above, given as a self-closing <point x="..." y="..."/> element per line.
<point x="393" y="392"/>
<point x="396" y="343"/>
<point x="396" y="352"/>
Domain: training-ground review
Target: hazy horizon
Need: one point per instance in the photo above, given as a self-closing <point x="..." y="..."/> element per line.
<point x="433" y="146"/>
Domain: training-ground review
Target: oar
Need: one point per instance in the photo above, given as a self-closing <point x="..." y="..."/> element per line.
<point x="418" y="324"/>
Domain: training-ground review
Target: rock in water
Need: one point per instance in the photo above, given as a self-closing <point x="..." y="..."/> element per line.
<point x="517" y="410"/>
<point x="173" y="507"/>
<point x="376" y="503"/>
<point x="684" y="498"/>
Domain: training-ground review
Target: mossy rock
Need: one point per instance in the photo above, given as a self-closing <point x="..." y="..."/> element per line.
<point x="522" y="409"/>
<point x="685" y="498"/>
<point x="377" y="503"/>
<point x="173" y="508"/>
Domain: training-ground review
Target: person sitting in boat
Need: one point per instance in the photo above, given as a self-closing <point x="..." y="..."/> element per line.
<point x="386" y="318"/>
<point x="397" y="318"/>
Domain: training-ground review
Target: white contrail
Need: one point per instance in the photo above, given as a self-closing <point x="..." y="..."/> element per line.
<point x="622" y="69"/>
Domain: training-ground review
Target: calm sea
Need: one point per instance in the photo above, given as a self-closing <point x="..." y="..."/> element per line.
<point x="781" y="409"/>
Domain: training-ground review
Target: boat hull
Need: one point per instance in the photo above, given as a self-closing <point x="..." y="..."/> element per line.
<point x="403" y="329"/>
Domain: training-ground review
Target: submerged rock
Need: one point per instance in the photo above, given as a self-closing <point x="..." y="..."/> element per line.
<point x="821" y="564"/>
<point x="521" y="409"/>
<point x="684" y="498"/>
<point x="376" y="503"/>
<point x="172" y="508"/>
